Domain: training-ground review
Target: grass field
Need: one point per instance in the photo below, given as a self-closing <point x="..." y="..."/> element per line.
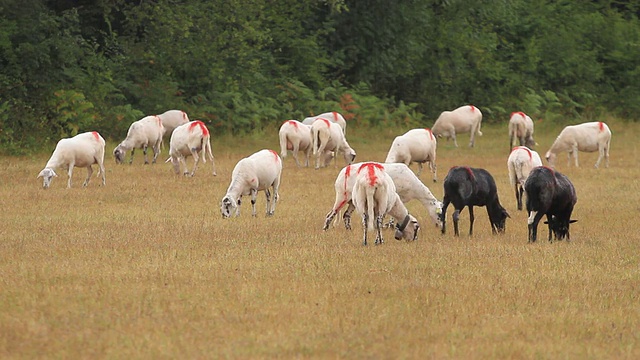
<point x="147" y="268"/>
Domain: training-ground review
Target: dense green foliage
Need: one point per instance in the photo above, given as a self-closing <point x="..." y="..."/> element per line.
<point x="241" y="65"/>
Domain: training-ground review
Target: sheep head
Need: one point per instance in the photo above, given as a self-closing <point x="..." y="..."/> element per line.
<point x="407" y="229"/>
<point x="228" y="206"/>
<point x="47" y="174"/>
<point x="119" y="154"/>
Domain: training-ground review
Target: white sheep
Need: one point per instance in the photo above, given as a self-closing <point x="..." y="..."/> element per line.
<point x="82" y="150"/>
<point x="587" y="137"/>
<point x="143" y="133"/>
<point x="374" y="196"/>
<point x="171" y="119"/>
<point x="464" y="119"/>
<point x="416" y="145"/>
<point x="521" y="129"/>
<point x="520" y="162"/>
<point x="259" y="172"/>
<point x="407" y="184"/>
<point x="295" y="136"/>
<point x="187" y="140"/>
<point x="331" y="116"/>
<point x="328" y="136"/>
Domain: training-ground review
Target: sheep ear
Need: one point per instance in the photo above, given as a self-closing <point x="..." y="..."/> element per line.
<point x="572" y="221"/>
<point x="41" y="174"/>
<point x="506" y="213"/>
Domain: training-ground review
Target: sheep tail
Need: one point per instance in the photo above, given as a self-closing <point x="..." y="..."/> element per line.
<point x="370" y="204"/>
<point x="315" y="134"/>
<point x="283" y="144"/>
<point x="207" y="146"/>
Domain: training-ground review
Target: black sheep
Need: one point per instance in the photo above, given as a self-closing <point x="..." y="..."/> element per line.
<point x="552" y="194"/>
<point x="465" y="186"/>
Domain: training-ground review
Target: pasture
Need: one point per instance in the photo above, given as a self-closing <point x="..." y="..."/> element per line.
<point x="147" y="268"/>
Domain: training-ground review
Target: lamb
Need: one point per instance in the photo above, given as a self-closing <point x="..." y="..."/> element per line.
<point x="82" y="150"/>
<point x="296" y="136"/>
<point x="407" y="184"/>
<point x="328" y="136"/>
<point x="171" y="119"/>
<point x="552" y="194"/>
<point x="464" y="119"/>
<point x="520" y="162"/>
<point x="374" y="196"/>
<point x="187" y="140"/>
<point x="142" y="133"/>
<point x="587" y="137"/>
<point x="521" y="128"/>
<point x="465" y="186"/>
<point x="331" y="116"/>
<point x="259" y="172"/>
<point x="417" y="145"/>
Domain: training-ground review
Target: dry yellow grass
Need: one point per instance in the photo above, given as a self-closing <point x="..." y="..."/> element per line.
<point x="147" y="268"/>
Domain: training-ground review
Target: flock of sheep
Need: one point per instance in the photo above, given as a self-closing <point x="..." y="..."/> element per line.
<point x="374" y="189"/>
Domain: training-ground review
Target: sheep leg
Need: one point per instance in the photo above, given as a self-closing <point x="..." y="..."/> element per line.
<point x="551" y="228"/>
<point x="519" y="192"/>
<point x="600" y="156"/>
<point x="267" y="194"/>
<point x="379" y="239"/>
<point x="443" y="214"/>
<point x="156" y="151"/>
<point x="456" y="217"/>
<point x="532" y="221"/>
<point x="453" y="136"/>
<point x="183" y="163"/>
<point x="327" y="221"/>
<point x="347" y="215"/>
<point x="254" y="195"/>
<point x="144" y="151"/>
<point x="434" y="170"/>
<point x="196" y="160"/>
<point x="89" y="173"/>
<point x="419" y="169"/>
<point x="70" y="173"/>
<point x="575" y="155"/>
<point x="101" y="168"/>
<point x="295" y="154"/>
<point x="131" y="158"/>
<point x="471" y="219"/>
<point x="364" y="226"/>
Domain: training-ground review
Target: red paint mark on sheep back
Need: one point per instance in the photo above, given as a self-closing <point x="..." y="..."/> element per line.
<point x="96" y="135"/>
<point x="327" y="122"/>
<point x="293" y="123"/>
<point x="549" y="169"/>
<point x="371" y="171"/>
<point x="202" y="126"/>
<point x="430" y="133"/>
<point x="275" y="154"/>
<point x="335" y="116"/>
<point x="158" y="120"/>
<point x="518" y="113"/>
<point x="525" y="149"/>
<point x="470" y="172"/>
<point x="601" y="126"/>
<point x="473" y="108"/>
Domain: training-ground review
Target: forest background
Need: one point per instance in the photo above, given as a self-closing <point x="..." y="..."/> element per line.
<point x="245" y="65"/>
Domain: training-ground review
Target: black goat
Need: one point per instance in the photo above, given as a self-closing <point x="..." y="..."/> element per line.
<point x="552" y="194"/>
<point x="465" y="186"/>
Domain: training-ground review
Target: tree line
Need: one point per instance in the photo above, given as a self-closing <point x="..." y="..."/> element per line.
<point x="242" y="65"/>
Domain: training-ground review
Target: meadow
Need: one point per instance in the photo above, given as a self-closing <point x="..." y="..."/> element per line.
<point x="147" y="268"/>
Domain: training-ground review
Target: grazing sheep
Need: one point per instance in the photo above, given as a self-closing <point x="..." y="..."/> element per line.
<point x="552" y="194"/>
<point x="331" y="116"/>
<point x="171" y="119"/>
<point x="374" y="196"/>
<point x="520" y="162"/>
<point x="407" y="184"/>
<point x="465" y="186"/>
<point x="464" y="119"/>
<point x="587" y="137"/>
<point x="328" y="136"/>
<point x="296" y="136"/>
<point x="417" y="145"/>
<point x="187" y="140"/>
<point x="521" y="128"/>
<point x="145" y="132"/>
<point x="259" y="172"/>
<point x="82" y="150"/>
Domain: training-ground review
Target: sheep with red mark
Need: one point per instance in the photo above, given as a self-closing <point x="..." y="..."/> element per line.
<point x="408" y="187"/>
<point x="143" y="133"/>
<point x="587" y="137"/>
<point x="187" y="140"/>
<point x="465" y="186"/>
<point x="261" y="171"/>
<point x="331" y="116"/>
<point x="521" y="129"/>
<point x="374" y="196"/>
<point x="171" y="119"/>
<point x="82" y="150"/>
<point x="520" y="162"/>
<point x="328" y="136"/>
<point x="465" y="119"/>
<point x="552" y="194"/>
<point x="296" y="136"/>
<point x="416" y="145"/>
